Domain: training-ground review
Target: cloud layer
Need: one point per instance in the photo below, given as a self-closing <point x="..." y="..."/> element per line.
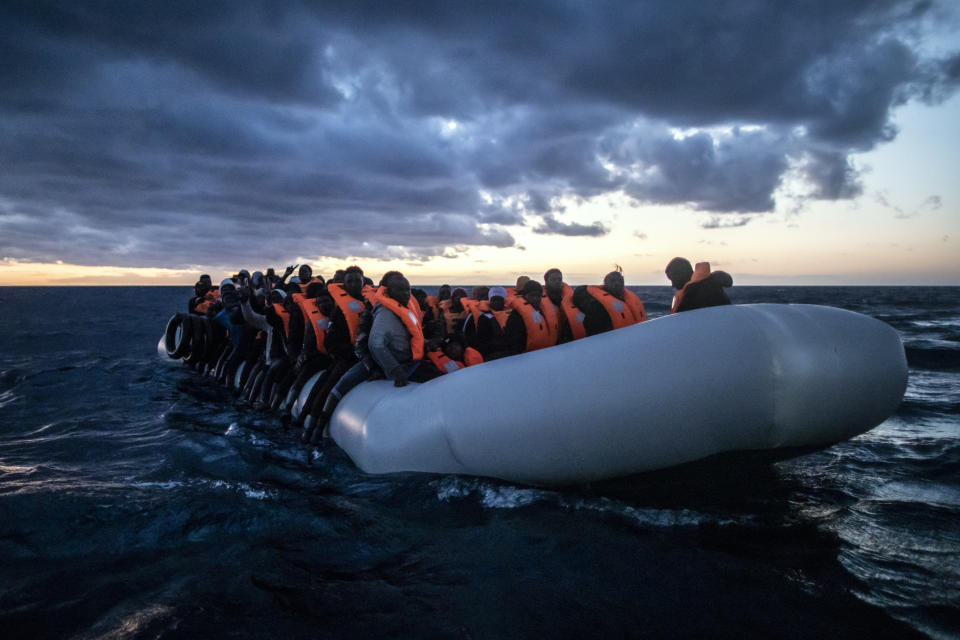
<point x="176" y="133"/>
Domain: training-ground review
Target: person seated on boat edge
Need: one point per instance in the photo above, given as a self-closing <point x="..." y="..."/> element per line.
<point x="393" y="348"/>
<point x="453" y="312"/>
<point x="696" y="288"/>
<point x="531" y="325"/>
<point x="203" y="302"/>
<point x="350" y="308"/>
<point x="611" y="306"/>
<point x="446" y="356"/>
<point x="301" y="344"/>
<point x="242" y="337"/>
<point x="272" y="322"/>
<point x="212" y="288"/>
<point x="278" y="312"/>
<point x="306" y="353"/>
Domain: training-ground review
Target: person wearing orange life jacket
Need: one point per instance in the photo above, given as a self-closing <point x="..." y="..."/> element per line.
<point x="306" y="351"/>
<point x="612" y="306"/>
<point x="485" y="330"/>
<point x="476" y="304"/>
<point x="452" y="355"/>
<point x="283" y="308"/>
<point x="531" y="325"/>
<point x="559" y="294"/>
<point x="696" y="288"/>
<point x="394" y="347"/>
<point x="517" y="291"/>
<point x="431" y="320"/>
<point x="350" y="305"/>
<point x="454" y="312"/>
<point x="213" y="289"/>
<point x="305" y="277"/>
<point x="202" y="300"/>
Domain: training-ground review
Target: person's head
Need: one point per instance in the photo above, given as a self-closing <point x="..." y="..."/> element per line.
<point x="305" y="272"/>
<point x="532" y="293"/>
<point x="314" y="289"/>
<point x="277" y="296"/>
<point x="338" y="276"/>
<point x="443" y="293"/>
<point x="228" y="293"/>
<point x="200" y="289"/>
<point x="420" y="296"/>
<point x="481" y="293"/>
<point x="581" y="297"/>
<point x="679" y="271"/>
<point x="243" y="277"/>
<point x="613" y="283"/>
<point x="291" y="287"/>
<point x="498" y="298"/>
<point x="553" y="281"/>
<point x="455" y="297"/>
<point x="205" y="278"/>
<point x="256" y="280"/>
<point x="353" y="281"/>
<point x="325" y="303"/>
<point x="271" y="273"/>
<point x="453" y="347"/>
<point x="521" y="283"/>
<point x="398" y="287"/>
<point x="368" y="281"/>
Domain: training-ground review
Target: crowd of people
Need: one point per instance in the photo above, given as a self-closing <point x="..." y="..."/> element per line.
<point x="285" y="329"/>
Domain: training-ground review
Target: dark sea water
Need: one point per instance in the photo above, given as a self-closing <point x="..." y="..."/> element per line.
<point x="138" y="500"/>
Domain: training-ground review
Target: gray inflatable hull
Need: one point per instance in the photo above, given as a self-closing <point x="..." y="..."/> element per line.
<point x="653" y="395"/>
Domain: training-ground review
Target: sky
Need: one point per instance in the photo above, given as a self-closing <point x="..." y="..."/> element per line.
<point x="789" y="142"/>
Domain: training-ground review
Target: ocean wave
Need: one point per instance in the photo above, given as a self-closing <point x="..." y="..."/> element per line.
<point x="492" y="495"/>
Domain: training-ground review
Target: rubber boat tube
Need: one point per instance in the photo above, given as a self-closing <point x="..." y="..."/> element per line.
<point x="649" y="396"/>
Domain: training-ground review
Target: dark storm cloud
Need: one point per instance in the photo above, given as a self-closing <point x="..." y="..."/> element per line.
<point x="178" y="133"/>
<point x="550" y="225"/>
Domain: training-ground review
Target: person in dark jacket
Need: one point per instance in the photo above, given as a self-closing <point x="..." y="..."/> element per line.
<point x="696" y="288"/>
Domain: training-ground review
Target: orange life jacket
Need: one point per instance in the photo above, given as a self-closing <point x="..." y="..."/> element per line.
<point x="622" y="313"/>
<point x="476" y="308"/>
<point x="454" y="320"/>
<point x="700" y="272"/>
<point x="554" y="310"/>
<point x="315" y="318"/>
<point x="444" y="364"/>
<point x="348" y="305"/>
<point x="284" y="316"/>
<point x="410" y="317"/>
<point x="434" y="304"/>
<point x="573" y="314"/>
<point x="303" y="285"/>
<point x="539" y="324"/>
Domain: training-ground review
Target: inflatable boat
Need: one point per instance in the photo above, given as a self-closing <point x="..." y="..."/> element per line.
<point x="653" y="395"/>
<point x="744" y="378"/>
